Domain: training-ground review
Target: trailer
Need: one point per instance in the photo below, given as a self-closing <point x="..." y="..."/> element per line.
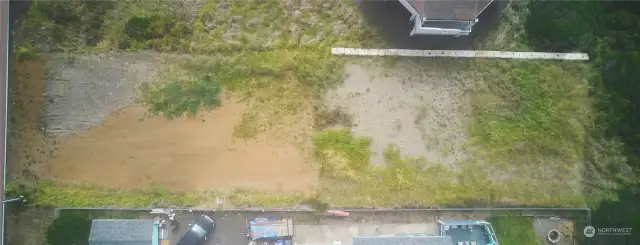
<point x="273" y="229"/>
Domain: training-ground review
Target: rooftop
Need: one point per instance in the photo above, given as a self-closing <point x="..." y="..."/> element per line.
<point x="403" y="240"/>
<point x="466" y="10"/>
<point x="477" y="232"/>
<point x="121" y="232"/>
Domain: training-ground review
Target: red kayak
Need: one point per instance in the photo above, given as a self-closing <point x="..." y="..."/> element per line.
<point x="336" y="213"/>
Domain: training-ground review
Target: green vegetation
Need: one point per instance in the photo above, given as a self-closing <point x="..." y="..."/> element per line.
<point x="608" y="31"/>
<point x="80" y="195"/>
<point x="186" y="96"/>
<point x="341" y="153"/>
<point x="280" y="83"/>
<point x="70" y="228"/>
<point x="532" y="111"/>
<point x="46" y="194"/>
<point x="515" y="230"/>
<point x="413" y="182"/>
<point x="526" y="113"/>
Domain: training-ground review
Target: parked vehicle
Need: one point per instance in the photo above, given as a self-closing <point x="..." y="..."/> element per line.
<point x="272" y="228"/>
<point x="198" y="232"/>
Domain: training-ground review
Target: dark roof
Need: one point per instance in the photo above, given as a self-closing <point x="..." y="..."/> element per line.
<point x="403" y="240"/>
<point x="450" y="9"/>
<point x="463" y="222"/>
<point x="121" y="232"/>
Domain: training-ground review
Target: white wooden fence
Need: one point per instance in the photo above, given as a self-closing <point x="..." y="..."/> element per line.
<point x="458" y="54"/>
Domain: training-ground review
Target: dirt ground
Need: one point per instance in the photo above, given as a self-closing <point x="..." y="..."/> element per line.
<point x="126" y="151"/>
<point x="421" y="110"/>
<point x="27" y="147"/>
<point x="180" y="154"/>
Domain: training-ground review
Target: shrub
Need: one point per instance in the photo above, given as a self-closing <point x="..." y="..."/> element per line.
<point x="71" y="228"/>
<point x="175" y="99"/>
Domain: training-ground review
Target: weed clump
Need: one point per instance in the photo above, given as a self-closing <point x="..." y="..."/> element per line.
<point x="341" y="153"/>
<point x="328" y="118"/>
<point x="175" y="99"/>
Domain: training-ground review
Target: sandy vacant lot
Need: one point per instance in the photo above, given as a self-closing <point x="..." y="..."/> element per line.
<point x="97" y="134"/>
<point x="114" y="144"/>
<point x="420" y="110"/>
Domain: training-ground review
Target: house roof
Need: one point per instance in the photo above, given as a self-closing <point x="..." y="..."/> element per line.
<point x="466" y="10"/>
<point x="403" y="240"/>
<point x="121" y="232"/>
<point x="463" y="222"/>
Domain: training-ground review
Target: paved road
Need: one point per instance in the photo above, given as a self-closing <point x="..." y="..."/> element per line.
<point x="229" y="228"/>
<point x="4" y="48"/>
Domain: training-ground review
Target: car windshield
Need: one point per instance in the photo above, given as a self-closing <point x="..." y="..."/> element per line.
<point x="198" y="230"/>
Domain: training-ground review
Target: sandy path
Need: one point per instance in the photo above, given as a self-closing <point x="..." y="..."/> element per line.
<point x="421" y="112"/>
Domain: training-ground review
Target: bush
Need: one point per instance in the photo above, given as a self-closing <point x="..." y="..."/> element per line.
<point x="342" y="152"/>
<point x="175" y="99"/>
<point x="71" y="228"/>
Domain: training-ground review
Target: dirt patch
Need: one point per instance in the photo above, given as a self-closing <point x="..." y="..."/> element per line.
<point x="27" y="147"/>
<point x="422" y="111"/>
<point x="180" y="154"/>
<point x="82" y="91"/>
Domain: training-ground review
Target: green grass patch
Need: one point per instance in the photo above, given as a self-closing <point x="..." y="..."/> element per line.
<point x="341" y="153"/>
<point x="529" y="110"/>
<point x="186" y="96"/>
<point x="277" y="83"/>
<point x="84" y="195"/>
<point x="402" y="182"/>
<point x="515" y="230"/>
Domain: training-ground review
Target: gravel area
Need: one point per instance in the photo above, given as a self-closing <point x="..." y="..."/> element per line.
<point x="81" y="92"/>
<point x="421" y="111"/>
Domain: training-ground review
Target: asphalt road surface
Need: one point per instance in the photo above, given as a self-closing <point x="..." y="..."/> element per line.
<point x="228" y="230"/>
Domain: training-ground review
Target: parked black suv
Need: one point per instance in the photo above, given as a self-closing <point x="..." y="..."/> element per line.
<point x="198" y="231"/>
